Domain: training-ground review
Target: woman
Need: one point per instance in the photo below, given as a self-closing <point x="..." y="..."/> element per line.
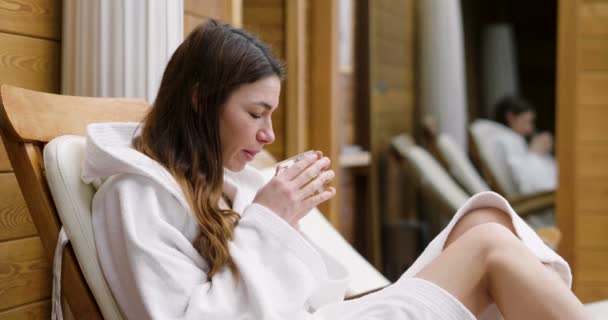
<point x="532" y="165"/>
<point x="186" y="230"/>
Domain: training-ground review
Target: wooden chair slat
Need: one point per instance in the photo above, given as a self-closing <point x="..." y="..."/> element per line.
<point x="28" y="171"/>
<point x="37" y="116"/>
<point x="75" y="289"/>
<point x="5" y="164"/>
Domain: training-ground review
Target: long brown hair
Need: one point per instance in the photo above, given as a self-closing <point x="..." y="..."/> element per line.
<point x="182" y="130"/>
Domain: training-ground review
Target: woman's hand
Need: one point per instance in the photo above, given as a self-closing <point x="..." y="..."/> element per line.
<point x="541" y="143"/>
<point x="295" y="191"/>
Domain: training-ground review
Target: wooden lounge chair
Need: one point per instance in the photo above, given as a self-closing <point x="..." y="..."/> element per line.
<point x="29" y="120"/>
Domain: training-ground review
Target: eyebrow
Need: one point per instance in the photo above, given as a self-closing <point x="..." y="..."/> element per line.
<point x="263" y="104"/>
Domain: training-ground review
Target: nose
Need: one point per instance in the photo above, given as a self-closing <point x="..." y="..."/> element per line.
<point x="265" y="135"/>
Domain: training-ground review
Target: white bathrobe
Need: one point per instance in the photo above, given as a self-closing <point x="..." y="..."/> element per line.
<point x="144" y="232"/>
<point x="531" y="172"/>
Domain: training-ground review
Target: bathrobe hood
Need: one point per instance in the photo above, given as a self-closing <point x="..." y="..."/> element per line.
<point x="109" y="152"/>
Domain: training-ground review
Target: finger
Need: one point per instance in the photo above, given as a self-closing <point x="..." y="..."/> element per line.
<point x="316" y="185"/>
<point x="301" y="164"/>
<point x="314" y="201"/>
<point x="317" y="199"/>
<point x="312" y="172"/>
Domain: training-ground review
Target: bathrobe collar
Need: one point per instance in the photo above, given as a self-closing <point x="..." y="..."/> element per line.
<point x="109" y="151"/>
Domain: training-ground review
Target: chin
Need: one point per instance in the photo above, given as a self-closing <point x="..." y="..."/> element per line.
<point x="236" y="167"/>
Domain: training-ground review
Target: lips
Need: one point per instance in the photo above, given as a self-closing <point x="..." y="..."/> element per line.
<point x="250" y="154"/>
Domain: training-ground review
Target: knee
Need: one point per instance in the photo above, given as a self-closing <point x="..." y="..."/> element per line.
<point x="500" y="248"/>
<point x="480" y="217"/>
<point x="486" y="215"/>
<point x="495" y="241"/>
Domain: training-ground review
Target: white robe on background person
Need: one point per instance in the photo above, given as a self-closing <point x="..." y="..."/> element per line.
<point x="144" y="232"/>
<point x="531" y="172"/>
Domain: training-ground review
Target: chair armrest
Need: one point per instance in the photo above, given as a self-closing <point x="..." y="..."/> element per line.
<point x="526" y="205"/>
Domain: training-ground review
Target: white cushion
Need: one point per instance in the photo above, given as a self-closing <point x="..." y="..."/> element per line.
<point x="436" y="177"/>
<point x="486" y="133"/>
<point x="460" y="166"/>
<point x="430" y="172"/>
<point x="62" y="161"/>
<point x="363" y="276"/>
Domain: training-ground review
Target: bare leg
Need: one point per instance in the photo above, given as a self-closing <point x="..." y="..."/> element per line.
<point x="477" y="217"/>
<point x="484" y="262"/>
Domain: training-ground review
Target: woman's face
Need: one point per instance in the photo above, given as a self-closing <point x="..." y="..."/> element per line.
<point x="522" y="123"/>
<point x="245" y="122"/>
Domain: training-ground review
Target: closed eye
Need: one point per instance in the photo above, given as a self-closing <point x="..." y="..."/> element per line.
<point x="255" y="116"/>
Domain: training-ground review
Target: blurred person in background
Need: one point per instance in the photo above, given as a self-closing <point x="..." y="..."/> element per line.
<point x="533" y="166"/>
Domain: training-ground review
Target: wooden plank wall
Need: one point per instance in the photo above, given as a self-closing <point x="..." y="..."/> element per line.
<point x="30" y="35"/>
<point x="322" y="89"/>
<point x="295" y="84"/>
<point x="582" y="143"/>
<point x="197" y="11"/>
<point x="391" y="109"/>
<point x="267" y="19"/>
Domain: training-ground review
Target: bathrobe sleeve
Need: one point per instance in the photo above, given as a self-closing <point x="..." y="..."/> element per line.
<point x="144" y="235"/>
